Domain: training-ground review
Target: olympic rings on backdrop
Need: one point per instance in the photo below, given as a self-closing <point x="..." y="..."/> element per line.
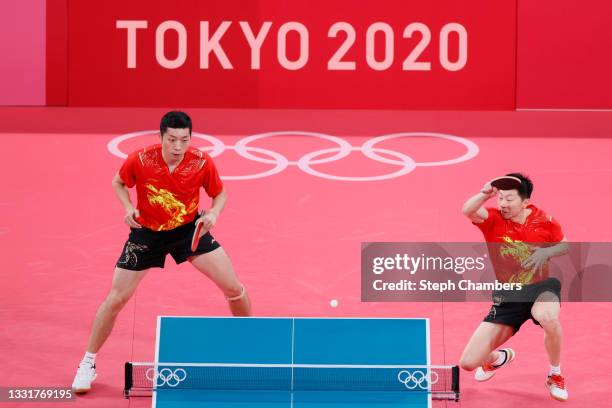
<point x="305" y="163"/>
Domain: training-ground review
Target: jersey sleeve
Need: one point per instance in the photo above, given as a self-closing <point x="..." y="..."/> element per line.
<point x="486" y="225"/>
<point x="212" y="181"/>
<point x="556" y="233"/>
<point x="127" y="172"/>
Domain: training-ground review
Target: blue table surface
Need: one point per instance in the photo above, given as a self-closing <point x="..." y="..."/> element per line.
<point x="291" y="341"/>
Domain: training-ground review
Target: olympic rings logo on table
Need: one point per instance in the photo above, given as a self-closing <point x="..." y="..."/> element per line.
<point x="305" y="163"/>
<point x="417" y="378"/>
<point x="166" y="376"/>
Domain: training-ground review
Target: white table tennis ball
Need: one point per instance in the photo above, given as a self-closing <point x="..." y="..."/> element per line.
<point x="333" y="303"/>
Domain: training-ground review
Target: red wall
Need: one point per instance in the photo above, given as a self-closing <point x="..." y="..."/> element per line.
<point x="56" y="52"/>
<point x="98" y="72"/>
<point x="520" y="53"/>
<point x="564" y="54"/>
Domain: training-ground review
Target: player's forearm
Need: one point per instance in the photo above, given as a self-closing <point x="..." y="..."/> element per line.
<point x="474" y="203"/>
<point x="218" y="203"/>
<point x="559" y="249"/>
<point x="122" y="193"/>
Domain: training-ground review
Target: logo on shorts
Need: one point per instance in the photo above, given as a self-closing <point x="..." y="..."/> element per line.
<point x="129" y="256"/>
<point x="492" y="313"/>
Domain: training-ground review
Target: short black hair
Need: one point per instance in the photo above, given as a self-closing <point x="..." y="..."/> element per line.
<point x="175" y="120"/>
<point x="526" y="185"/>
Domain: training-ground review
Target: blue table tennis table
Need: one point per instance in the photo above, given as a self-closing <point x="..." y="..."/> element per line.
<point x="290" y="345"/>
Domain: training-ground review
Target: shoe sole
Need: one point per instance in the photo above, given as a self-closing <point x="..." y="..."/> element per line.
<point x="486" y="379"/>
<point x="553" y="397"/>
<point x="84" y="390"/>
<point x="494" y="372"/>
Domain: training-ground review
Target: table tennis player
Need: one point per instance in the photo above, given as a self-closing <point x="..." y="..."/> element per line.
<point x="168" y="177"/>
<point x="524" y="238"/>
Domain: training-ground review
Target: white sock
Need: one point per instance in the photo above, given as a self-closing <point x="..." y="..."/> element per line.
<point x="556" y="370"/>
<point x="89" y="358"/>
<point x="501" y="358"/>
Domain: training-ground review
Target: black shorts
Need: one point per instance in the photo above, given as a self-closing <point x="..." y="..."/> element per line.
<point x="510" y="309"/>
<point x="146" y="248"/>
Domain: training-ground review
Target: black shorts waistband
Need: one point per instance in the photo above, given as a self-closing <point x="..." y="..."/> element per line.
<point x="178" y="229"/>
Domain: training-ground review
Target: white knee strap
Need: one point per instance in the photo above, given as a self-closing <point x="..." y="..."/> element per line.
<point x="240" y="296"/>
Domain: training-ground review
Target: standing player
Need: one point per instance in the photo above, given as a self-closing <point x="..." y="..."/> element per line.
<point x="167" y="177"/>
<point x="510" y="227"/>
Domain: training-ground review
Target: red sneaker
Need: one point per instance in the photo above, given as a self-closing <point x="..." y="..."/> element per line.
<point x="556" y="387"/>
<point x="486" y="371"/>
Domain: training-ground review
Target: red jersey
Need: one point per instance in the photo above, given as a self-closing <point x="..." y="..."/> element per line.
<point x="168" y="200"/>
<point x="510" y="243"/>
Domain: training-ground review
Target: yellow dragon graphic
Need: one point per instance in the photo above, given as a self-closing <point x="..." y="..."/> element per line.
<point x="173" y="207"/>
<point x="519" y="251"/>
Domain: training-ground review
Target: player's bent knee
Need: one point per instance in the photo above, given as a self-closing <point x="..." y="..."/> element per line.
<point x="468" y="364"/>
<point x="548" y="320"/>
<point x="545" y="316"/>
<point x="235" y="293"/>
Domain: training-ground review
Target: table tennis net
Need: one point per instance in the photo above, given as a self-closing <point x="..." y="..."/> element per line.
<point x="143" y="378"/>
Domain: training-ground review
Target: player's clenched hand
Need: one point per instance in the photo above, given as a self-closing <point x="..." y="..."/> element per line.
<point x="130" y="218"/>
<point x="489" y="190"/>
<point x="208" y="220"/>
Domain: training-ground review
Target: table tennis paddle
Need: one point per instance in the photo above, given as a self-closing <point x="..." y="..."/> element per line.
<point x="506" y="183"/>
<point x="197" y="233"/>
